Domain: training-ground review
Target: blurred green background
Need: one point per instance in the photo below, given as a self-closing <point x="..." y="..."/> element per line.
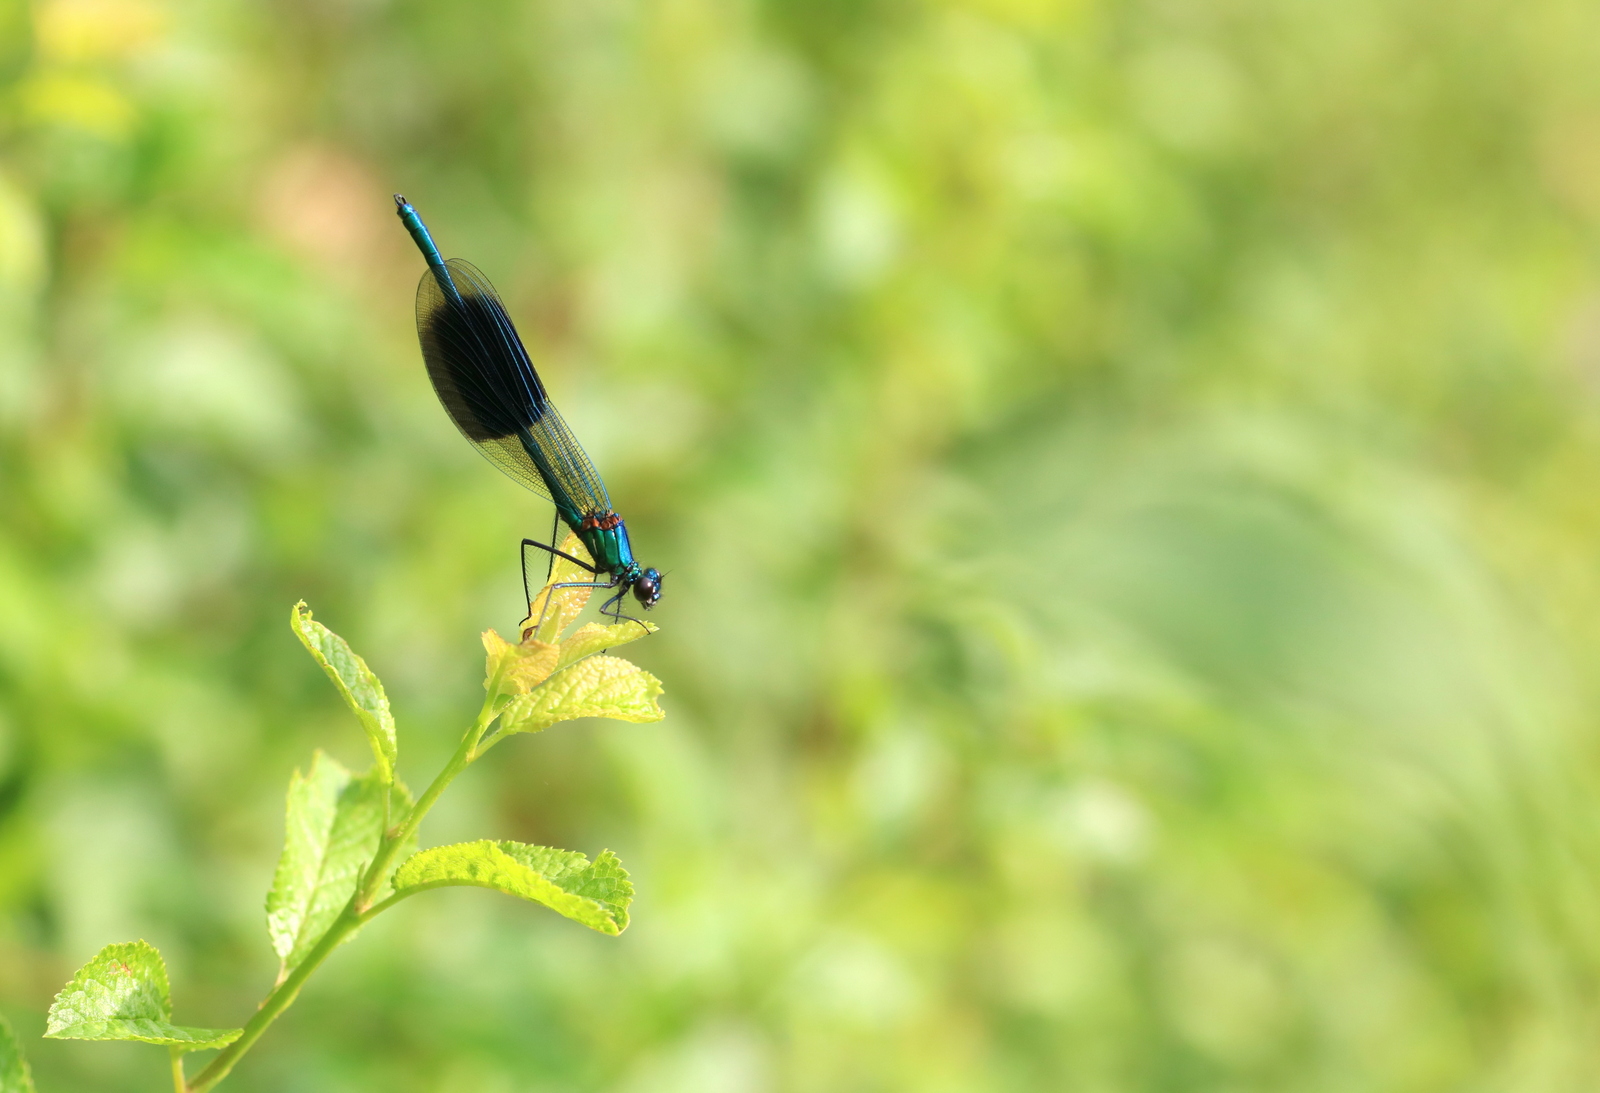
<point x="1129" y="472"/>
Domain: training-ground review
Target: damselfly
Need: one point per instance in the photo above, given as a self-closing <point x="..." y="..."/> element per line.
<point x="488" y="386"/>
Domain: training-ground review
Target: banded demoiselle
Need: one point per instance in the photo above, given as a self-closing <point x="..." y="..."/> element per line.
<point x="487" y="384"/>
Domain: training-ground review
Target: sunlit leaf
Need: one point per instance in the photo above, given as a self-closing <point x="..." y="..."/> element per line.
<point x="333" y="825"/>
<point x="594" y="638"/>
<point x="517" y="669"/>
<point x="356" y="682"/>
<point x="122" y="994"/>
<point x="522" y="667"/>
<point x="616" y="689"/>
<point x="554" y="609"/>
<point x="14" y="1076"/>
<point x="598" y="686"/>
<point x="596" y="894"/>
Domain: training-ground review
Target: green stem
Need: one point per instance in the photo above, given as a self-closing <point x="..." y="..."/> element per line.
<point x="179" y="1085"/>
<point x="357" y="912"/>
<point x="377" y="872"/>
<point x="275" y="1003"/>
<point x="379" y="908"/>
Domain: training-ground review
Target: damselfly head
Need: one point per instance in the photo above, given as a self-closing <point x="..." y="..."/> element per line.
<point x="647" y="588"/>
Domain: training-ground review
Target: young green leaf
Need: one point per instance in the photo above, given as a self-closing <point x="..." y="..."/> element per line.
<point x="594" y="687"/>
<point x="596" y="894"/>
<point x="360" y="688"/>
<point x="122" y="994"/>
<point x="14" y="1076"/>
<point x="333" y="825"/>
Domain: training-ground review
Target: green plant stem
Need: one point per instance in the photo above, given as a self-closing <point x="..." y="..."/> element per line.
<point x="357" y="912"/>
<point x="275" y="1003"/>
<point x="392" y="843"/>
<point x="179" y="1085"/>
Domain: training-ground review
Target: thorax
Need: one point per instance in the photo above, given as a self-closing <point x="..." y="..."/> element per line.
<point x="606" y="536"/>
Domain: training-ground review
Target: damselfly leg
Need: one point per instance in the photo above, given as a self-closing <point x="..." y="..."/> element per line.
<point x="527" y="589"/>
<point x="612" y="609"/>
<point x="544" y="612"/>
<point x="555" y="537"/>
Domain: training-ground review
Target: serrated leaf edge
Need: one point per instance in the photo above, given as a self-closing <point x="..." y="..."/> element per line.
<point x="518" y="716"/>
<point x="380" y="727"/>
<point x="569" y="904"/>
<point x="151" y="1030"/>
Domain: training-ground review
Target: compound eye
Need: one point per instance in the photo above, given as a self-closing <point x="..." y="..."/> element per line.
<point x="647" y="588"/>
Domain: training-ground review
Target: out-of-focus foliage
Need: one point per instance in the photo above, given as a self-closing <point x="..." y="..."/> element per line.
<point x="14" y="1073"/>
<point x="1126" y="471"/>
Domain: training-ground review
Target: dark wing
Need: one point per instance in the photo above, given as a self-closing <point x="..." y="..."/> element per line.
<point x="488" y="386"/>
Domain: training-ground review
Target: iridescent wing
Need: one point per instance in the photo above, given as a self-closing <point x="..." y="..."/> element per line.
<point x="488" y="386"/>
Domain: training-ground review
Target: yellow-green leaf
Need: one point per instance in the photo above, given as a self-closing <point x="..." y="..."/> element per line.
<point x="356" y="682"/>
<point x="594" y="638"/>
<point x="517" y="669"/>
<point x="596" y="894"/>
<point x="598" y="686"/>
<point x="554" y="609"/>
<point x="122" y="994"/>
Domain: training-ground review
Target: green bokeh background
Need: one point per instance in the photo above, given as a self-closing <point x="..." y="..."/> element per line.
<point x="1129" y="472"/>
